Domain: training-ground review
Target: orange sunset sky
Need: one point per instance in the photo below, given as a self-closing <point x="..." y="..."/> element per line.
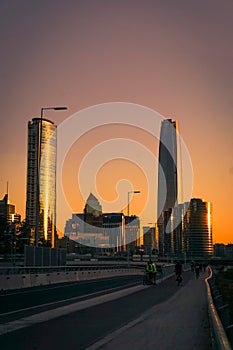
<point x="174" y="57"/>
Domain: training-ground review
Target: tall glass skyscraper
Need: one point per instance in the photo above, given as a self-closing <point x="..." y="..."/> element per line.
<point x="41" y="179"/>
<point x="169" y="186"/>
<point x="198" y="229"/>
<point x="167" y="176"/>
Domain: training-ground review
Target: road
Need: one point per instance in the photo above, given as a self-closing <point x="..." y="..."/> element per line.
<point x="82" y="327"/>
<point x="21" y="303"/>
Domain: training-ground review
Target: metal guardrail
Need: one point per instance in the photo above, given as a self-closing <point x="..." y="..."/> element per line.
<point x="19" y="270"/>
<point x="40" y="270"/>
<point x="220" y="337"/>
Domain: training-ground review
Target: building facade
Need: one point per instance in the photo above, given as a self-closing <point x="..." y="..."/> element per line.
<point x="41" y="180"/>
<point x="169" y="184"/>
<point x="132" y="232"/>
<point x="7" y="210"/>
<point x="74" y="226"/>
<point x="198" y="229"/>
<point x="167" y="171"/>
<point x="149" y="239"/>
<point x="87" y="228"/>
<point x="92" y="214"/>
<point x="103" y="230"/>
<point x="114" y="228"/>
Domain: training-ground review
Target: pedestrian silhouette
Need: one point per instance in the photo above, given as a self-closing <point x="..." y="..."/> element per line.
<point x="178" y="271"/>
<point x="197" y="270"/>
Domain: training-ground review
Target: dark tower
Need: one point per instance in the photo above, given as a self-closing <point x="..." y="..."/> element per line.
<point x="92" y="214"/>
<point x="167" y="181"/>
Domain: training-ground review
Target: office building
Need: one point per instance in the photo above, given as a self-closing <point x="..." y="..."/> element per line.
<point x="177" y="230"/>
<point x="7" y="211"/>
<point x="41" y="180"/>
<point x="198" y="229"/>
<point x="132" y="232"/>
<point x="219" y="250"/>
<point x="92" y="214"/>
<point x="90" y="221"/>
<point x="229" y="251"/>
<point x="114" y="228"/>
<point x="149" y="239"/>
<point x="103" y="230"/>
<point x="169" y="187"/>
<point x="167" y="181"/>
<point x="223" y="251"/>
<point x="87" y="228"/>
<point x="167" y="172"/>
<point x="74" y="226"/>
<point x="165" y="233"/>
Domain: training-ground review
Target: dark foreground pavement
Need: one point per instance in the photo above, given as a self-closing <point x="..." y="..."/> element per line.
<point x="159" y="317"/>
<point x="181" y="322"/>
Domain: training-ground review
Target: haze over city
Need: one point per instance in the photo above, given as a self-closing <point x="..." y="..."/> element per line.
<point x="172" y="57"/>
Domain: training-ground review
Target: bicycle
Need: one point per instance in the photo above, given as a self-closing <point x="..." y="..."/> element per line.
<point x="146" y="279"/>
<point x="179" y="280"/>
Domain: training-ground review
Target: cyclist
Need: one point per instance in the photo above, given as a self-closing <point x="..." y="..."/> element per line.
<point x="149" y="272"/>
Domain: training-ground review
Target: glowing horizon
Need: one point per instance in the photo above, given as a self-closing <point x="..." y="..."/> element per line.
<point x="151" y="53"/>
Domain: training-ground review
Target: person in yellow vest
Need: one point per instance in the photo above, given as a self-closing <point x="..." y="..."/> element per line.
<point x="149" y="272"/>
<point x="154" y="272"/>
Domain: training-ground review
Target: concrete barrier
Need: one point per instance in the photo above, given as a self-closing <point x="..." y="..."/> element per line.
<point x="18" y="281"/>
<point x="26" y="277"/>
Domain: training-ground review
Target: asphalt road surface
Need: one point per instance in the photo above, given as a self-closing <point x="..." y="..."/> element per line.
<point x="21" y="303"/>
<point x="79" y="329"/>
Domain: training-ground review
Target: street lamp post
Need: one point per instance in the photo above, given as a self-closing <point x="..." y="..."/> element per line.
<point x="128" y="215"/>
<point x="128" y="199"/>
<point x="39" y="142"/>
<point x="155" y="235"/>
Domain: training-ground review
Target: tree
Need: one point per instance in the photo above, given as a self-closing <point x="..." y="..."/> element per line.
<point x="43" y="243"/>
<point x="4" y="230"/>
<point x="24" y="237"/>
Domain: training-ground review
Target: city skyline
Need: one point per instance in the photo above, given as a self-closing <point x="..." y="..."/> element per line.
<point x="173" y="58"/>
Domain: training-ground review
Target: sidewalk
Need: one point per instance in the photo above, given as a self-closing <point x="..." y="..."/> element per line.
<point x="181" y="323"/>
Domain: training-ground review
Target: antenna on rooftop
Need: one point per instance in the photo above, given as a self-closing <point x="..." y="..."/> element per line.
<point x="7" y="191"/>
